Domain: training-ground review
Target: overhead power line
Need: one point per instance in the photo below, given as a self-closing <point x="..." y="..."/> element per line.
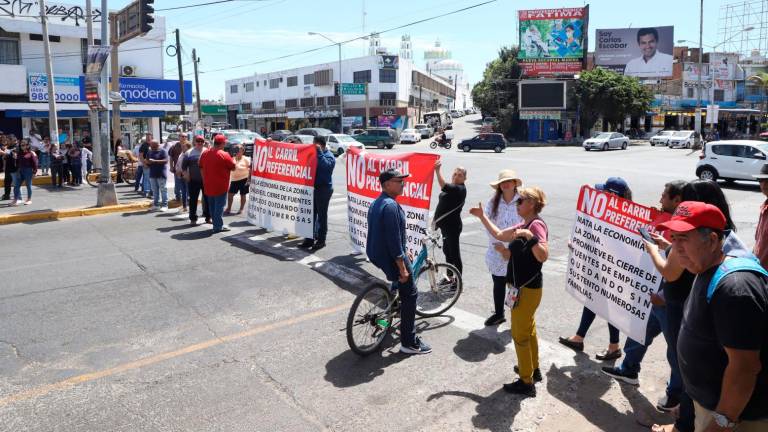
<point x="205" y="4"/>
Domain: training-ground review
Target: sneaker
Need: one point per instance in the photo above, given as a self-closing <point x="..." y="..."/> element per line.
<point x="536" y="374"/>
<point x="668" y="403"/>
<point x="225" y="229"/>
<point x="419" y="347"/>
<point x="317" y="246"/>
<point x="521" y="388"/>
<point x="154" y="208"/>
<point x="494" y="320"/>
<point x="27" y="202"/>
<point x="627" y="377"/>
<point x="164" y="209"/>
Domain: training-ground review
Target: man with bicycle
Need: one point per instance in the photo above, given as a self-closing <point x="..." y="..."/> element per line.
<point x="385" y="247"/>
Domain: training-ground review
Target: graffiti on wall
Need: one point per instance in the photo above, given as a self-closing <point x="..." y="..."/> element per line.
<point x="58" y="13"/>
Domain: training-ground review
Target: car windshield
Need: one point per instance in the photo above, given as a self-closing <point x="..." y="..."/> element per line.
<point x="604" y="135"/>
<point x="665" y="133"/>
<point x="236" y="136"/>
<point x="405" y="131"/>
<point x="344" y="138"/>
<point x="420" y="126"/>
<point x="682" y="133"/>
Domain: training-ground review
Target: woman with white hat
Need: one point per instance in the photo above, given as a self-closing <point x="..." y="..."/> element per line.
<point x="502" y="211"/>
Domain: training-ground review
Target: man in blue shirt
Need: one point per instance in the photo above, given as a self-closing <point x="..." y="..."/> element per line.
<point x="322" y="196"/>
<point x="385" y="247"/>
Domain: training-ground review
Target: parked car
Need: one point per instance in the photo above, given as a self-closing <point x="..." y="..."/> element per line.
<point x="339" y="144"/>
<point x="606" y="141"/>
<point x="300" y="139"/>
<point x="456" y="113"/>
<point x="425" y="130"/>
<point x="236" y="136"/>
<point x="484" y="141"/>
<point x="410" y="136"/>
<point x="662" y="138"/>
<point x="469" y="111"/>
<point x="489" y="121"/>
<point x="380" y="137"/>
<point x="731" y="160"/>
<point x="764" y="136"/>
<point x="314" y="131"/>
<point x="682" y="139"/>
<point x="280" y="135"/>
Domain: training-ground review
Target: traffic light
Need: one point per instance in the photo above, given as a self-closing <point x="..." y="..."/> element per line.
<point x="146" y="10"/>
<point x="336" y="89"/>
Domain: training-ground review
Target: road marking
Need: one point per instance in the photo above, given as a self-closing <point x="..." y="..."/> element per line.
<point x="469" y="233"/>
<point x="335" y="200"/>
<point x="151" y="360"/>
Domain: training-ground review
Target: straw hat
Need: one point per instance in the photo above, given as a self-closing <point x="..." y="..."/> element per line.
<point x="506" y="175"/>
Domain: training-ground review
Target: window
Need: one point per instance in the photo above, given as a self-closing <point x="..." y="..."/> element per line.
<point x="323" y="77"/>
<point x="719" y="95"/>
<point x="387" y="98"/>
<point x="333" y="100"/>
<point x="246" y="107"/>
<point x="361" y="76"/>
<point x="291" y="103"/>
<point x="690" y="93"/>
<point x="249" y="86"/>
<point x="320" y="101"/>
<point x="293" y="81"/>
<point x="387" y="75"/>
<point x="9" y="48"/>
<point x="309" y="79"/>
<point x="753" y="153"/>
<point x="274" y="83"/>
<point x="307" y="102"/>
<point x="725" y="150"/>
<point x="268" y="105"/>
<point x="265" y="83"/>
<point x="39" y="37"/>
<point x="233" y="88"/>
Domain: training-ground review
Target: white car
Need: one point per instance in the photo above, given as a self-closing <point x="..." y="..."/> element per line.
<point x="300" y="139"/>
<point x="410" y="136"/>
<point x="731" y="160"/>
<point x="606" y="141"/>
<point x="682" y="139"/>
<point x="661" y="138"/>
<point x="338" y="144"/>
<point x="425" y="130"/>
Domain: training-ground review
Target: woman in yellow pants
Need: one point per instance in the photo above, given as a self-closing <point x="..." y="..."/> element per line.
<point x="527" y="252"/>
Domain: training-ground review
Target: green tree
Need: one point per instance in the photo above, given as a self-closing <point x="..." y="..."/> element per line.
<point x="496" y="94"/>
<point x="610" y="95"/>
<point x="761" y="78"/>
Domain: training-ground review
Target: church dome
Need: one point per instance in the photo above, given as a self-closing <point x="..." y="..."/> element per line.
<point x="448" y="65"/>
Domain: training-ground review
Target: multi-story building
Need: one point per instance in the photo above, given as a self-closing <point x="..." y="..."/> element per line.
<point x="23" y="89"/>
<point x="398" y="94"/>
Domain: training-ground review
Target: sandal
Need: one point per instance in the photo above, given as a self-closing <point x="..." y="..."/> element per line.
<point x="608" y="355"/>
<point x="576" y="346"/>
<point x="664" y="428"/>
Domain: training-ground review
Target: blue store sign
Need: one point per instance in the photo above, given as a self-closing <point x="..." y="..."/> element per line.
<point x="154" y="91"/>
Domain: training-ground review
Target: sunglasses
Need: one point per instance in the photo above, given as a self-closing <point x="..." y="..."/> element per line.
<point x="519" y="201"/>
<point x="200" y="141"/>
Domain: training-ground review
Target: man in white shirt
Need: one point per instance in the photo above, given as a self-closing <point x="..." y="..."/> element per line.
<point x="652" y="63"/>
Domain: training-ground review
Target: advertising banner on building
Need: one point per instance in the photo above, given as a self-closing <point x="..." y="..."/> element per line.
<point x="638" y="52"/>
<point x="363" y="188"/>
<point x="609" y="270"/>
<point x="154" y="91"/>
<point x="282" y="187"/>
<point x="68" y="88"/>
<point x="691" y="71"/>
<point x="723" y="65"/>
<point x="552" y="41"/>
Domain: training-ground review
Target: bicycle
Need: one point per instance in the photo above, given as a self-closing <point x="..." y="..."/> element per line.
<point x="374" y="310"/>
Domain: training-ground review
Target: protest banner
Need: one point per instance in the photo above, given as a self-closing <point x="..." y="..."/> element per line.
<point x="363" y="188"/>
<point x="282" y="187"/>
<point x="609" y="270"/>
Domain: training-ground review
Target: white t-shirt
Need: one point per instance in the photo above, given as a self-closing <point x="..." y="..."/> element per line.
<point x="659" y="65"/>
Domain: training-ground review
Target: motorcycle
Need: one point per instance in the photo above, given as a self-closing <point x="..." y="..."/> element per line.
<point x="446" y="144"/>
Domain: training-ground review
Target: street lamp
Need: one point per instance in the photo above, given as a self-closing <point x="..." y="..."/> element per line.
<point x="341" y="92"/>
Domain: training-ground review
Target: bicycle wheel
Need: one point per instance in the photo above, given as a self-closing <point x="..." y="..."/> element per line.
<point x="129" y="174"/>
<point x="370" y="319"/>
<point x="439" y="287"/>
<point x="92" y="177"/>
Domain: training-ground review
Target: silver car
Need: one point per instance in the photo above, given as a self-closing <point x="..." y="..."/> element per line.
<point x="607" y="141"/>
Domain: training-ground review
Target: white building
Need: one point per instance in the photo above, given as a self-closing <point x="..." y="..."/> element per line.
<point x="398" y="94"/>
<point x="23" y="89"/>
<point x="438" y="61"/>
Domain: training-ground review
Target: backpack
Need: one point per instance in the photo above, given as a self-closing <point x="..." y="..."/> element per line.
<point x="744" y="263"/>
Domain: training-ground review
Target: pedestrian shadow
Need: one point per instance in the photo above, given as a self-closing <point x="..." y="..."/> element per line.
<point x="349" y="369"/>
<point x="193" y="235"/>
<point x="495" y="412"/>
<point x="481" y="343"/>
<point x="138" y="213"/>
<point x="175" y="228"/>
<point x="243" y="223"/>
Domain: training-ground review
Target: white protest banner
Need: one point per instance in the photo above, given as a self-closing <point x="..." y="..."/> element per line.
<point x="363" y="188"/>
<point x="282" y="187"/>
<point x="609" y="270"/>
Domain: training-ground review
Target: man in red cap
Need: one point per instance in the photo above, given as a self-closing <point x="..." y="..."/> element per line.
<point x="723" y="341"/>
<point x="216" y="166"/>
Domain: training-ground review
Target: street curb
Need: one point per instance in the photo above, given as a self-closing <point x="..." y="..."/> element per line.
<point x="49" y="215"/>
<point x="46" y="180"/>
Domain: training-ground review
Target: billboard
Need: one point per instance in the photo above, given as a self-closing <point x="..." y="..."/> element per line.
<point x="553" y="41"/>
<point x="638" y="52"/>
<point x="723" y="65"/>
<point x="68" y="88"/>
<point x="538" y="94"/>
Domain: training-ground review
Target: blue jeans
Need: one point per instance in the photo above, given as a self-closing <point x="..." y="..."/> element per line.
<point x="181" y="190"/>
<point x="408" y="296"/>
<point x="139" y="179"/>
<point x="322" y="198"/>
<point x="635" y="351"/>
<point x="216" y="209"/>
<point x="45" y="162"/>
<point x="158" y="189"/>
<point x="22" y="175"/>
<point x="587" y="316"/>
<point x="145" y="184"/>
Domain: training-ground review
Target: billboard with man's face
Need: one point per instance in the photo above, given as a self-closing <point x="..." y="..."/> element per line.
<point x="640" y="52"/>
<point x="552" y="41"/>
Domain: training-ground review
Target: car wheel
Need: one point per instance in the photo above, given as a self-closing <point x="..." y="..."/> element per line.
<point x="340" y="151"/>
<point x="498" y="149"/>
<point x="605" y="147"/>
<point x="380" y="144"/>
<point x="390" y="146"/>
<point x="624" y="145"/>
<point x="653" y="144"/>
<point x="586" y="148"/>
<point x="466" y="148"/>
<point x="708" y="173"/>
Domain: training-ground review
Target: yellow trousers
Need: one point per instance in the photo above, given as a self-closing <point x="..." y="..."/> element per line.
<point x="524" y="332"/>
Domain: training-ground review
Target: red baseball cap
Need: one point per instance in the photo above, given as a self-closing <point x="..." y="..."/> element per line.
<point x="220" y="139"/>
<point x="199" y="137"/>
<point x="690" y="215"/>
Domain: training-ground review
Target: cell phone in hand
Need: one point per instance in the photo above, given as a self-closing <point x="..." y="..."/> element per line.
<point x="646" y="235"/>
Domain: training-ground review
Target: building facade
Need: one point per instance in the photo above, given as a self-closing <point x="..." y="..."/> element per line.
<point x="439" y="61"/>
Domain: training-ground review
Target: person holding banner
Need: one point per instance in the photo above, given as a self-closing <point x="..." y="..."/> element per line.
<point x="448" y="212"/>
<point x="528" y="250"/>
<point x="502" y="211"/>
<point x="386" y="248"/>
<point x="323" y="192"/>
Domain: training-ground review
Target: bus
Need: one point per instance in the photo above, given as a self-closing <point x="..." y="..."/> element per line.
<point x="438" y="119"/>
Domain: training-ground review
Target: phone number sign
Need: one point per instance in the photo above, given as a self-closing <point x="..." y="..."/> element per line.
<point x="68" y="88"/>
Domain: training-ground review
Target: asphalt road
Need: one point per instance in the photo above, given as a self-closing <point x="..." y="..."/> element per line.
<point x="139" y="322"/>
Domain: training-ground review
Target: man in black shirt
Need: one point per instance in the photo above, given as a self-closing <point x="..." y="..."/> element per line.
<point x="448" y="212"/>
<point x="723" y="342"/>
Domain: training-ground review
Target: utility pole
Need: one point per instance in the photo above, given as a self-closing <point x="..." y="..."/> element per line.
<point x="181" y="72"/>
<point x="93" y="115"/>
<point x="701" y="58"/>
<point x="53" y="120"/>
<point x="420" y="103"/>
<point x="367" y="108"/>
<point x="115" y="72"/>
<point x="106" y="194"/>
<point x="341" y="97"/>
<point x="195" y="61"/>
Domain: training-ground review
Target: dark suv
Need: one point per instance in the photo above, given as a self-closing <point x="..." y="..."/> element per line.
<point x="380" y="137"/>
<point x="485" y="141"/>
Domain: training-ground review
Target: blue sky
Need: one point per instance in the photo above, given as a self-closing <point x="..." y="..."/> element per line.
<point x="240" y="32"/>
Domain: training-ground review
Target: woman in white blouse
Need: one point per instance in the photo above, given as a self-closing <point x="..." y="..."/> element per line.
<point x="502" y="211"/>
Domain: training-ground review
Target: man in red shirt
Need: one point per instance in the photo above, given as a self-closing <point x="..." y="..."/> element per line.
<point x="216" y="166"/>
<point x="761" y="232"/>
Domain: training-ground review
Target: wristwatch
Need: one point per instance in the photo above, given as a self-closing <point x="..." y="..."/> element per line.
<point x="723" y="421"/>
